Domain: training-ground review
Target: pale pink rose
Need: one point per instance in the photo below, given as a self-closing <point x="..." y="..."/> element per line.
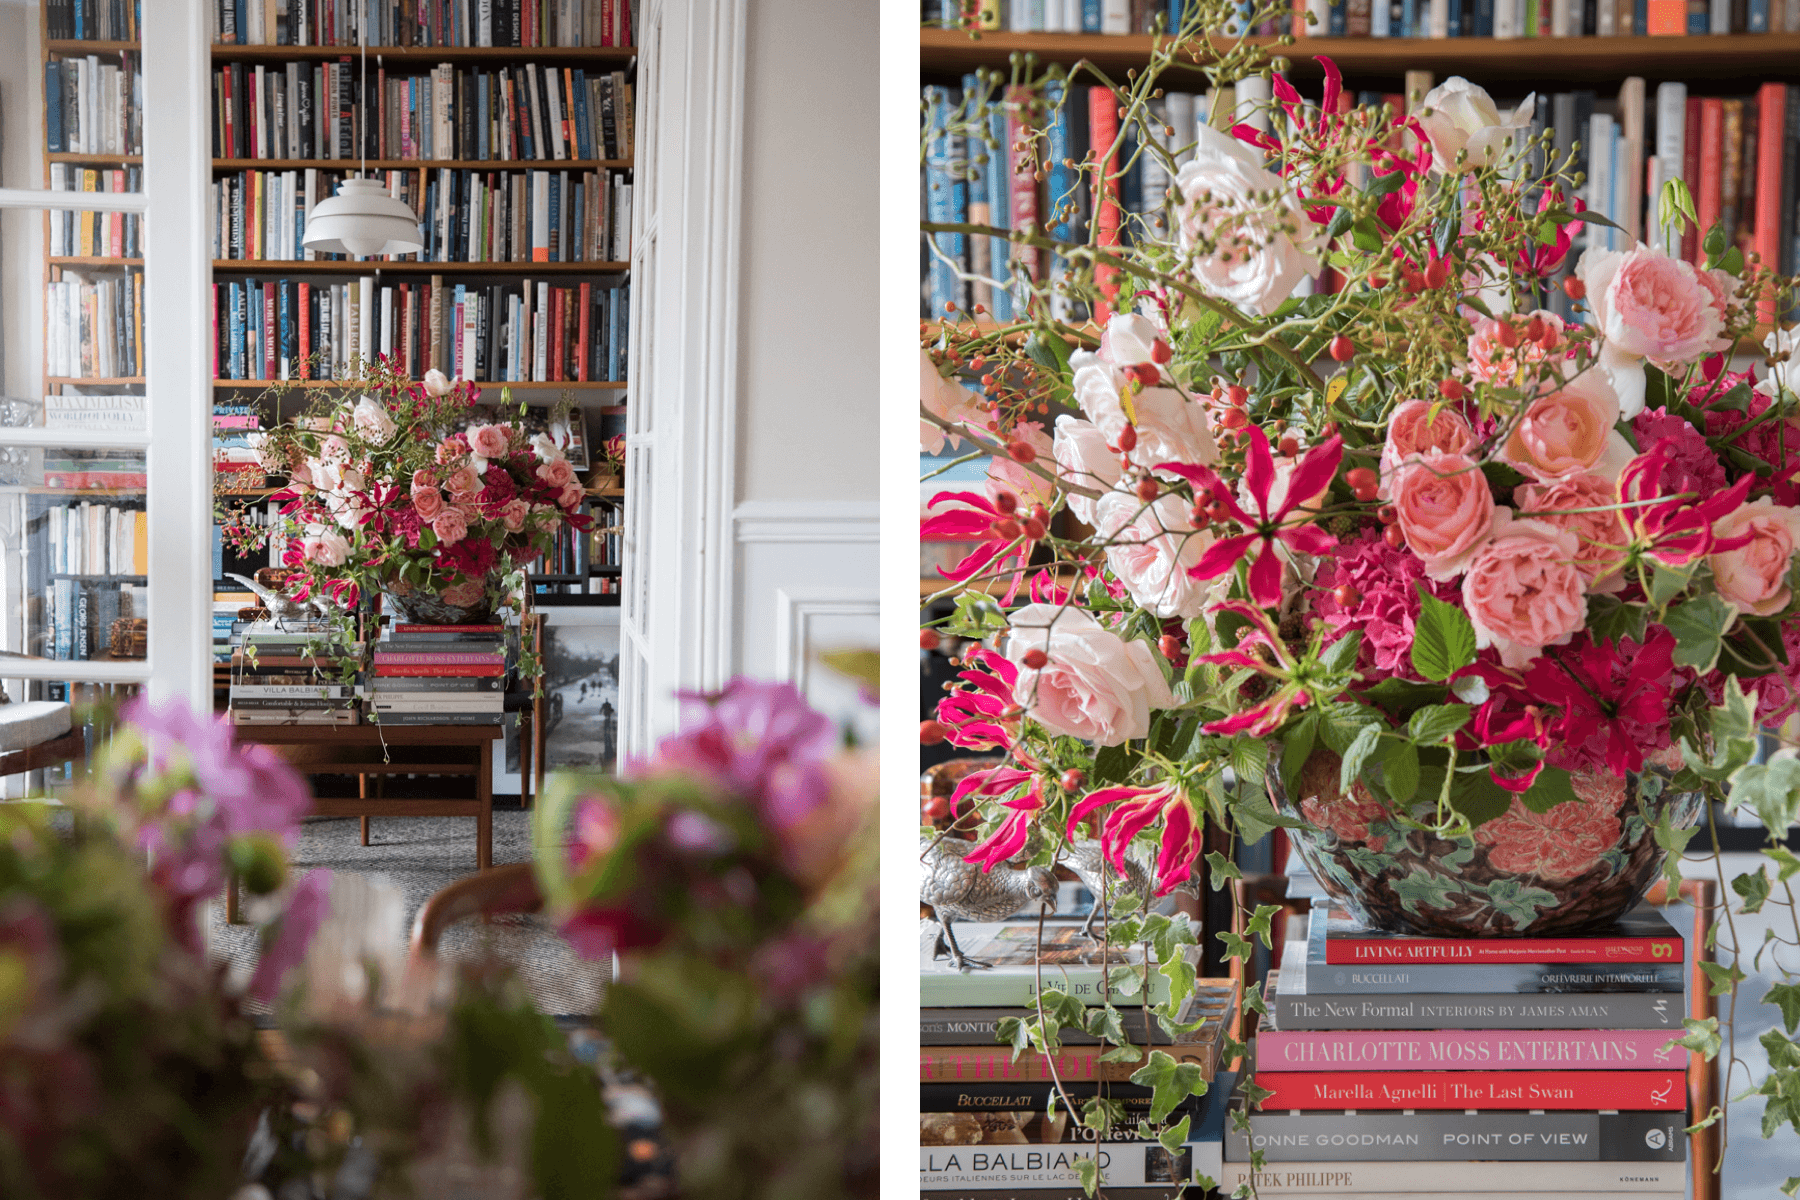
<point x="1648" y="304"/>
<point x="1246" y="238"/>
<point x="557" y="473"/>
<point x="1721" y="288"/>
<point x="571" y="496"/>
<point x="1151" y="549"/>
<point x="513" y="514"/>
<point x="326" y="547"/>
<point x="544" y="447"/>
<point x="462" y="482"/>
<point x="1461" y="119"/>
<point x="423" y="478"/>
<point x="334" y="449"/>
<point x="946" y="399"/>
<point x="372" y="420"/>
<point x="450" y="526"/>
<point x="1444" y="508"/>
<point x="451" y="449"/>
<point x="428" y="502"/>
<point x="1169" y="426"/>
<point x="1095" y="685"/>
<point x="1006" y="474"/>
<point x="1523" y="591"/>
<point x="1415" y="429"/>
<point x="1083" y="459"/>
<point x="489" y="441"/>
<point x="1129" y="340"/>
<point x="1494" y="361"/>
<point x="1754" y="577"/>
<point x="1580" y="505"/>
<point x="436" y="384"/>
<point x="469" y="591"/>
<point x="1570" y="432"/>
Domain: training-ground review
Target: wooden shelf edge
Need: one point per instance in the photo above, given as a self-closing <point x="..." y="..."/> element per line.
<point x="91" y="260"/>
<point x="75" y="381"/>
<point x="66" y="156"/>
<point x="231" y="52"/>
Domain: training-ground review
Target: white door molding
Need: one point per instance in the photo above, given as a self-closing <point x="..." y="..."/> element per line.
<point x="797" y="609"/>
<point x="808" y="521"/>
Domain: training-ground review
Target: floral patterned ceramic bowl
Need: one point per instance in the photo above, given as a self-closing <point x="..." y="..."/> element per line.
<point x="1576" y="867"/>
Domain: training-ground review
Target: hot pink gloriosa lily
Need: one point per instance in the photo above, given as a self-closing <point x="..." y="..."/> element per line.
<point x="1285" y="673"/>
<point x="1661" y="513"/>
<point x="1183" y="835"/>
<point x="1266" y="523"/>
<point x="1002" y="535"/>
<point x="1009" y="838"/>
<point x="975" y="717"/>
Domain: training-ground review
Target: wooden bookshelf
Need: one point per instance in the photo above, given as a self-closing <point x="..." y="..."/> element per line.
<point x="91" y="260"/>
<point x="414" y="164"/>
<point x="572" y="55"/>
<point x="79" y="381"/>
<point x="1591" y="60"/>
<point x="95" y="160"/>
<point x="276" y="266"/>
<point x="525" y="385"/>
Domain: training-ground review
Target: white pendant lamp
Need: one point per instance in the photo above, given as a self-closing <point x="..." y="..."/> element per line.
<point x="362" y="219"/>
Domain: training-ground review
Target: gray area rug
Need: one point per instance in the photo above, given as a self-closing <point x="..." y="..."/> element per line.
<point x="419" y="855"/>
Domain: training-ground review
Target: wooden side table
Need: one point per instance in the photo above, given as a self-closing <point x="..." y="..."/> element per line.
<point x="360" y="750"/>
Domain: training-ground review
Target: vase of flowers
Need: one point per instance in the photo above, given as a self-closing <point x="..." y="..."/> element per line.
<point x="410" y="490"/>
<point x="1465" y="592"/>
<point x="612" y="463"/>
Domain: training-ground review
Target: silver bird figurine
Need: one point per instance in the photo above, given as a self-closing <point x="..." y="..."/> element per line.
<point x="1085" y="857"/>
<point x="281" y="608"/>
<point x="961" y="891"/>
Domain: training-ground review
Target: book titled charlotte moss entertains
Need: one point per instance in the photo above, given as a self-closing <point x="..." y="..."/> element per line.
<point x="1070" y="961"/>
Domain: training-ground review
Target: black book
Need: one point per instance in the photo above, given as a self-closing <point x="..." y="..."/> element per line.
<point x="1590" y="18"/>
<point x="1789" y="164"/>
<point x="303" y="96"/>
<point x="608" y="122"/>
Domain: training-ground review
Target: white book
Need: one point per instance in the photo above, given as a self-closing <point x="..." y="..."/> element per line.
<point x="1115" y="16"/>
<point x="484" y="23"/>
<point x="1721" y="17"/>
<point x="1671" y="143"/>
<point x="1179" y="106"/>
<point x="1440" y="1178"/>
<point x="1252" y="102"/>
<point x="1440" y="19"/>
<point x="1381" y="19"/>
<point x="1053" y="17"/>
<point x="1320" y="11"/>
<point x="1792" y="10"/>
<point x="1071" y="16"/>
<point x="624" y="222"/>
<point x="1600" y="178"/>
<point x="1606" y="23"/>
<point x="365" y="306"/>
<point x="540" y="340"/>
<point x="1631" y="157"/>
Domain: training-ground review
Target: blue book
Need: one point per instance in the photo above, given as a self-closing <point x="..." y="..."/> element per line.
<point x="235" y="330"/>
<point x="578" y="222"/>
<point x="1090" y="16"/>
<point x="53" y="110"/>
<point x="624" y="327"/>
<point x="940" y="203"/>
<point x="584" y="124"/>
<point x="999" y="182"/>
<point x="1335" y="17"/>
<point x="1176" y="9"/>
<point x="615" y="305"/>
<point x="481" y="106"/>
<point x="1409" y="19"/>
<point x="1757" y="20"/>
<point x="558" y="251"/>
<point x="1484" y="18"/>
<point x="1640" y="16"/>
<point x="1063" y="180"/>
<point x="1131" y="186"/>
<point x="1699" y="17"/>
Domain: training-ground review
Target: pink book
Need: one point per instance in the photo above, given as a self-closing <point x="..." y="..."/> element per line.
<point x="1470" y="1050"/>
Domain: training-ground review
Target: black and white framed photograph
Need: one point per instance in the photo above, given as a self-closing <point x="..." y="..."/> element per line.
<point x="581" y="695"/>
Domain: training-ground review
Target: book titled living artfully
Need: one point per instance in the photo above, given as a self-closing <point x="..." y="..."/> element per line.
<point x="1640" y="936"/>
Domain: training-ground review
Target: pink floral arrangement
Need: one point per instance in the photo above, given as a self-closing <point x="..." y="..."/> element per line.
<point x="1485" y="553"/>
<point x="410" y="486"/>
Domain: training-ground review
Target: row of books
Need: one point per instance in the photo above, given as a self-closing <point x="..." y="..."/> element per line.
<point x="465" y="215"/>
<point x="565" y="558"/>
<point x="521" y="23"/>
<point x="92" y="470"/>
<point x="437" y="675"/>
<point x="606" y="540"/>
<point x="95" y="412"/>
<point x="991" y="1122"/>
<point x="94" y="107"/>
<point x="95" y="327"/>
<point x="79" y="615"/>
<point x="296" y="672"/>
<point x="1394" y="18"/>
<point x="501" y="333"/>
<point x="1403" y="1064"/>
<point x="95" y="538"/>
<point x="92" y="20"/>
<point x="312" y="111"/>
<point x="97" y="234"/>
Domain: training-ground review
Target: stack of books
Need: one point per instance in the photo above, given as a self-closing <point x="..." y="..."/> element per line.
<point x="438" y="675"/>
<point x="988" y="1126"/>
<point x="1409" y="1066"/>
<point x="293" y="673"/>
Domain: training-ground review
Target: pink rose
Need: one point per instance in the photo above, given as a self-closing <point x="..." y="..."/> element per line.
<point x="1492" y="360"/>
<point x="451" y="449"/>
<point x="423" y="479"/>
<point x="1570" y="432"/>
<point x="1721" y="290"/>
<point x="571" y="496"/>
<point x="1095" y="685"/>
<point x="436" y="384"/>
<point x="1523" y="592"/>
<point x="1414" y="429"/>
<point x="1004" y="474"/>
<point x="513" y="513"/>
<point x="1082" y="458"/>
<point x="327" y="548"/>
<point x="557" y="473"/>
<point x="1754" y="577"/>
<point x="334" y="449"/>
<point x="489" y="441"/>
<point x="944" y="398"/>
<point x="450" y="526"/>
<point x="1444" y="508"/>
<point x="1151" y="549"/>
<point x="428" y="502"/>
<point x="1648" y="304"/>
<point x="462" y="483"/>
<point x="1585" y="506"/>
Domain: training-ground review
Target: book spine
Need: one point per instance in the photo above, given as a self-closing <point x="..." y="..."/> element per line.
<point x="1458" y="1136"/>
<point x="1014" y="1096"/>
<point x="1349" y="951"/>
<point x="1462" y="1050"/>
<point x="471" y="670"/>
<point x="1014" y="1168"/>
<point x="1621" y="1010"/>
<point x="993" y="1064"/>
<point x="1658" y="1091"/>
<point x="966" y="1026"/>
<point x="1323" y="979"/>
<point x="1443" y="1178"/>
<point x="1003" y="988"/>
<point x="445" y="658"/>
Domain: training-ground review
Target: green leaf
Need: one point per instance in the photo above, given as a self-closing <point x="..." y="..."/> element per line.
<point x="1723" y="978"/>
<point x="1702" y="1036"/>
<point x="1255" y="816"/>
<point x="1754" y="888"/>
<point x="1400" y="769"/>
<point x="1699" y="626"/>
<point x="1222" y="869"/>
<point x="1249" y="761"/>
<point x="1433" y="724"/>
<point x="1666" y="583"/>
<point x="1296" y="748"/>
<point x="1553" y="786"/>
<point x="1111" y="765"/>
<point x="1088" y="1169"/>
<point x="1674" y="841"/>
<point x="1171" y="1083"/>
<point x="1787" y="864"/>
<point x="1014" y="1032"/>
<point x="1357" y="754"/>
<point x="1402" y="697"/>
<point x="1786" y="997"/>
<point x="1175" y="1136"/>
<point x="1443" y="638"/>
<point x="1366" y="235"/>
<point x="1771" y="790"/>
<point x="1610" y="618"/>
<point x="976" y="616"/>
<point x="1475" y="795"/>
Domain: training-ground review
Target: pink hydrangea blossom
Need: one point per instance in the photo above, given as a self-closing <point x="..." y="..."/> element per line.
<point x="1688" y="452"/>
<point x="1386" y="582"/>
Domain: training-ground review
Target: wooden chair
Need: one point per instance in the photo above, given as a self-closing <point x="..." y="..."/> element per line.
<point x="511" y="888"/>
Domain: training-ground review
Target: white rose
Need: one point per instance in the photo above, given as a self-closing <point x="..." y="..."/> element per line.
<point x="1459" y="116"/>
<point x="545" y="448"/>
<point x="1152" y="548"/>
<point x="326" y="547"/>
<point x="372" y="420"/>
<point x="1253" y="252"/>
<point x="1170" y="427"/>
<point x="1785" y="374"/>
<point x="1083" y="459"/>
<point x="946" y="399"/>
<point x="1095" y="685"/>
<point x="436" y="384"/>
<point x="1130" y="340"/>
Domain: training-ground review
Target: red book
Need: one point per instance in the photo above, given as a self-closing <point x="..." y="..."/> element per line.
<point x="1667" y="18"/>
<point x="305" y="330"/>
<point x="581" y="344"/>
<point x="410" y="628"/>
<point x="1103" y="137"/>
<point x="1024" y="188"/>
<point x="1709" y="191"/>
<point x="1771" y="120"/>
<point x="470" y="671"/>
<point x="1690" y="171"/>
<point x="1633" y="1091"/>
<point x="557" y="299"/>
